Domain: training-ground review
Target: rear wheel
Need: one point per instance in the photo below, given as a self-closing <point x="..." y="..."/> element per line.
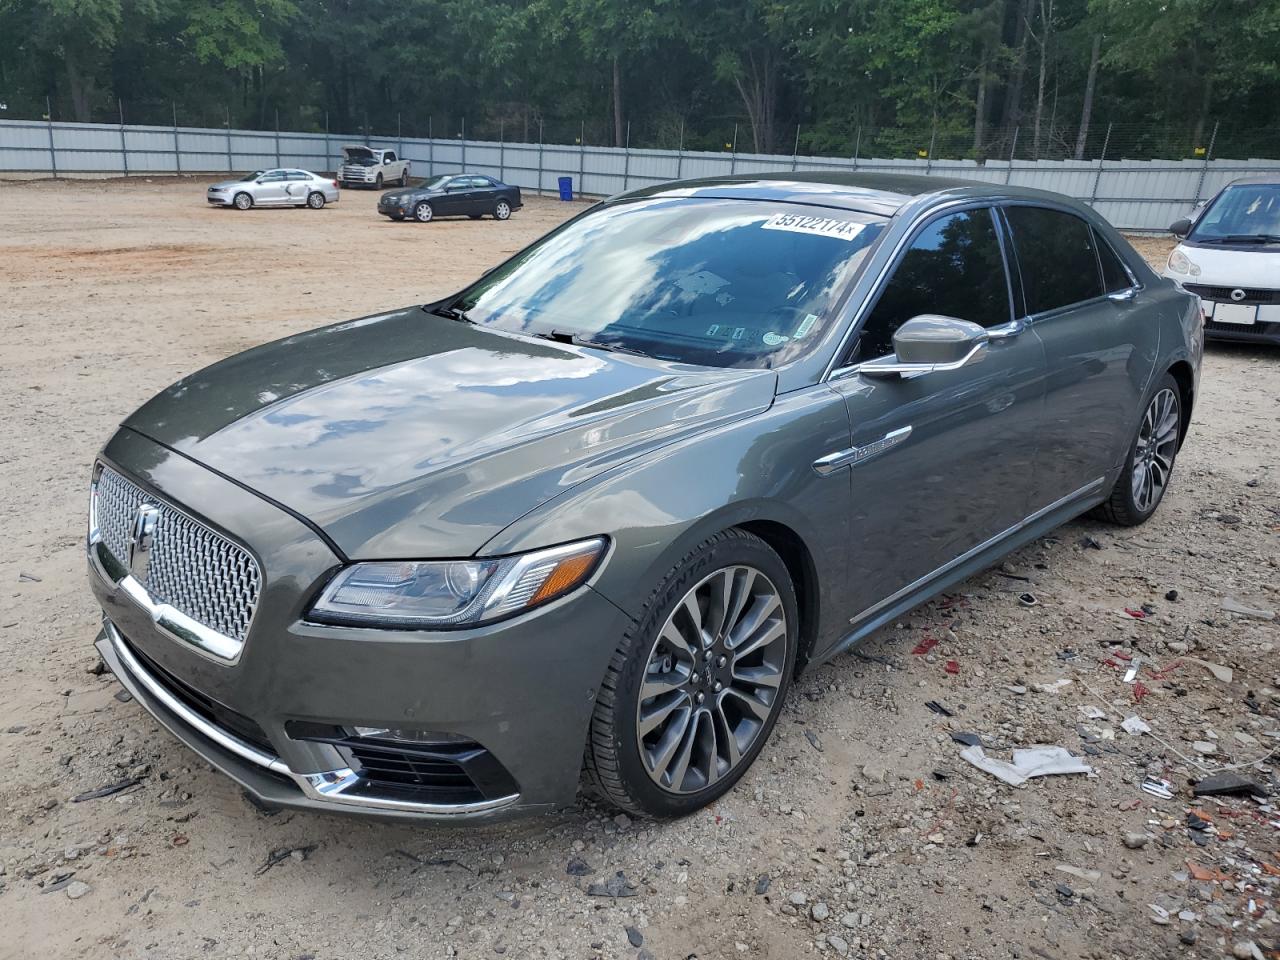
<point x="422" y="212"/>
<point x="404" y="177"/>
<point x="315" y="200"/>
<point x="1147" y="470"/>
<point x="243" y="201"/>
<point x="691" y="694"/>
<point x="502" y="210"/>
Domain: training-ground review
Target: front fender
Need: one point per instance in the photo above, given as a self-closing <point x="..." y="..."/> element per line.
<point x="660" y="506"/>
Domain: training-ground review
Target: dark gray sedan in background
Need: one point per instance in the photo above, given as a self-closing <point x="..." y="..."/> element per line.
<point x="452" y="195"/>
<point x="590" y="517"/>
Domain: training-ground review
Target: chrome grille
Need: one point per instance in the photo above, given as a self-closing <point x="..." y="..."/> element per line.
<point x="193" y="569"/>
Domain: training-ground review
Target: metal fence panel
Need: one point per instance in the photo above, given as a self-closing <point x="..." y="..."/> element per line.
<point x="1134" y="194"/>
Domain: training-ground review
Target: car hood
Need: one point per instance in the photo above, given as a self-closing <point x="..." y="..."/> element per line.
<point x="408" y="435"/>
<point x="407" y="196"/>
<point x="1256" y="267"/>
<point x="229" y="184"/>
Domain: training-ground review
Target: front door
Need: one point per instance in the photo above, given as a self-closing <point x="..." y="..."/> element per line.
<point x="941" y="463"/>
<point x="1100" y="343"/>
<point x="271" y="189"/>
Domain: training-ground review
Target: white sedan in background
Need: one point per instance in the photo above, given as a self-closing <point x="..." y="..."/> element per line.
<point x="275" y="188"/>
<point x="1229" y="254"/>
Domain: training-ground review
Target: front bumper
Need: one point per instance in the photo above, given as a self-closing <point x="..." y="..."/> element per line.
<point x="219" y="199"/>
<point x="521" y="691"/>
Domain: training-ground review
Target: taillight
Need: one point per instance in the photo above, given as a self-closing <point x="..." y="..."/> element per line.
<point x="335" y="184"/>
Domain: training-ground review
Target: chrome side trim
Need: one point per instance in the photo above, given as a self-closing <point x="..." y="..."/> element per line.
<point x="973" y="552"/>
<point x="177" y="625"/>
<point x="329" y="786"/>
<point x="202" y="726"/>
<point x="825" y="466"/>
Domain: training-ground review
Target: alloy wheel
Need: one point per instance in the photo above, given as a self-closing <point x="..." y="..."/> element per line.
<point x="1154" y="450"/>
<point x="712" y="678"/>
<point x="423" y="212"/>
<point x="503" y="210"/>
<point x="243" y="201"/>
<point x="315" y="201"/>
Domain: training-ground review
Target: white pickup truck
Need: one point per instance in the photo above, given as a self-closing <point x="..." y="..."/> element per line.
<point x="365" y="167"/>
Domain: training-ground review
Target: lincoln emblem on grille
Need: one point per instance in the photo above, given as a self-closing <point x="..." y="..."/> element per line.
<point x="140" y="537"/>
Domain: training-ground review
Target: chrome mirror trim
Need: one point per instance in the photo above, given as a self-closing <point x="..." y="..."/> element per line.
<point x="891" y="367"/>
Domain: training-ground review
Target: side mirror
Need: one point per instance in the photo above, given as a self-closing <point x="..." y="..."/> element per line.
<point x="1180" y="228"/>
<point x="930" y="343"/>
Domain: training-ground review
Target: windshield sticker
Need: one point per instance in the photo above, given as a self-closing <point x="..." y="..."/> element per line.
<point x="818" y="226"/>
<point x="805" y="326"/>
<point x="773" y="339"/>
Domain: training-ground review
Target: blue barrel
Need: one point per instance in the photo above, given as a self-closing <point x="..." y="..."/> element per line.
<point x="566" y="188"/>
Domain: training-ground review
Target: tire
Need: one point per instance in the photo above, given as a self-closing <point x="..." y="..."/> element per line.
<point x="377" y="183"/>
<point x="315" y="200"/>
<point x="422" y="211"/>
<point x="404" y="177"/>
<point x="502" y="210"/>
<point x="242" y="201"/>
<point x="702" y="735"/>
<point x="1149" y="465"/>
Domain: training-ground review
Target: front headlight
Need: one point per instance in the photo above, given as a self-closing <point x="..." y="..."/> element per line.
<point x="1179" y="262"/>
<point x="454" y="593"/>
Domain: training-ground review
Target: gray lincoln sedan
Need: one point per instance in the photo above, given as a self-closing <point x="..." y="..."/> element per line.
<point x="586" y="520"/>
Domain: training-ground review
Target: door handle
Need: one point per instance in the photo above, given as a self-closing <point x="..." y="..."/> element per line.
<point x="1120" y="296"/>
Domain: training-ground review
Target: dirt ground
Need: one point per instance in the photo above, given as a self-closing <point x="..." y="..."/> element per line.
<point x="860" y="832"/>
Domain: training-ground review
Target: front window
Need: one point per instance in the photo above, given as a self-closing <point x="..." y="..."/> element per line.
<point x="726" y="283"/>
<point x="1244" y="213"/>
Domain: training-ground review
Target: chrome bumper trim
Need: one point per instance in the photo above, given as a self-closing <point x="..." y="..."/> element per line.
<point x="329" y="787"/>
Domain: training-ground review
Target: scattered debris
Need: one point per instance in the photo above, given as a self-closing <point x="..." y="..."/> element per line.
<point x="1135" y="725"/>
<point x="938" y="707"/>
<point x="77" y="889"/>
<point x="1131" y="674"/>
<point x="28" y="578"/>
<point x="577" y="867"/>
<point x="813" y="740"/>
<point x="1089" y="876"/>
<point x="282" y="854"/>
<point x="1158" y="787"/>
<point x="924" y="646"/>
<point x="1027" y="599"/>
<point x="634" y="937"/>
<point x="1232" y="605"/>
<point x="1088" y="542"/>
<point x="762" y="884"/>
<point x="1027" y="763"/>
<point x="952" y="666"/>
<point x="108" y="790"/>
<point x="616" y="886"/>
<point x="1229" y="783"/>
<point x="968" y="739"/>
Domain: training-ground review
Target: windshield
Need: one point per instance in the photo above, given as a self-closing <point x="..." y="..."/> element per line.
<point x="1246" y="212"/>
<point x="726" y="283"/>
<point x="251" y="176"/>
<point x="435" y="183"/>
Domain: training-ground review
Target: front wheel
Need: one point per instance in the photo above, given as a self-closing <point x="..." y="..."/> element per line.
<point x="315" y="200"/>
<point x="423" y="212"/>
<point x="243" y="201"/>
<point x="1147" y="469"/>
<point x="691" y="694"/>
<point x="377" y="183"/>
<point x="502" y="210"/>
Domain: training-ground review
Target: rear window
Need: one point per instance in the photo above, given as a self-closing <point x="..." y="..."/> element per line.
<point x="1056" y="257"/>
<point x="1114" y="275"/>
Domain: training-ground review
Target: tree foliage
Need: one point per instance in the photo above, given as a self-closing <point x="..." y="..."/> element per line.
<point x="955" y="77"/>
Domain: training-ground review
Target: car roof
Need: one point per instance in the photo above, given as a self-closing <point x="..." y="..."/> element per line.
<point x="1257" y="178"/>
<point x="878" y="193"/>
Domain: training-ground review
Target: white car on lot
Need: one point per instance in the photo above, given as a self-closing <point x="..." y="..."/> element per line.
<point x="365" y="167"/>
<point x="1229" y="254"/>
<point x="274" y="188"/>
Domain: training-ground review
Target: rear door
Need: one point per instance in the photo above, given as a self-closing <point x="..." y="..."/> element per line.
<point x="297" y="186"/>
<point x="942" y="462"/>
<point x="1100" y="338"/>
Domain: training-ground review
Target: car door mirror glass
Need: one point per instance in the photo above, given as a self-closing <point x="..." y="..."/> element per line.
<point x="1180" y="228"/>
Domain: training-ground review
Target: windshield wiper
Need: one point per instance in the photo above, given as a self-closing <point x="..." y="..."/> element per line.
<point x="452" y="313"/>
<point x="560" y="336"/>
<point x="1244" y="238"/>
